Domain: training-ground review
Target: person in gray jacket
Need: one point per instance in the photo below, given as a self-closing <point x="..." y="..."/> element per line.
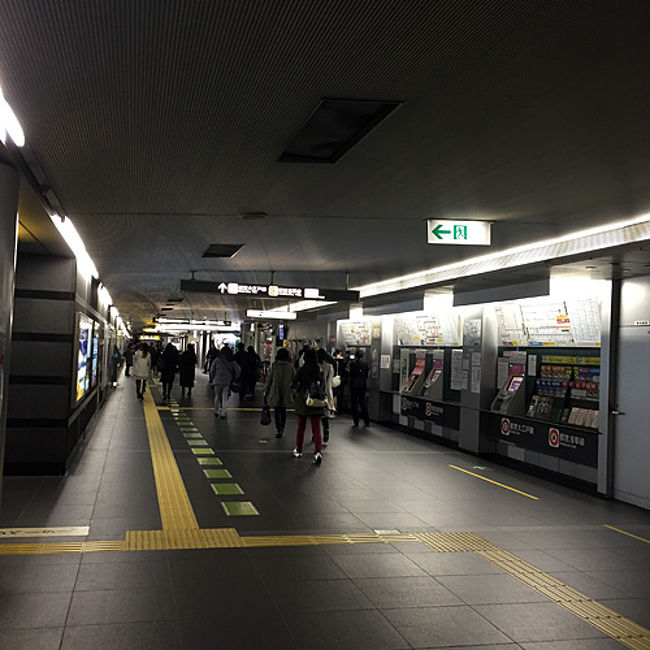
<point x="277" y="392"/>
<point x="223" y="370"/>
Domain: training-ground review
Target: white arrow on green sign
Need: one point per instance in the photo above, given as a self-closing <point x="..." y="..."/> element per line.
<point x="459" y="233"/>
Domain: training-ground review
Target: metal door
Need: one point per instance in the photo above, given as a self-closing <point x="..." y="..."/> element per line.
<point x="632" y="442"/>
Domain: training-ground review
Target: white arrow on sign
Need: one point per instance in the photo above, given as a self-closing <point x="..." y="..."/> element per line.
<point x="222" y="287"/>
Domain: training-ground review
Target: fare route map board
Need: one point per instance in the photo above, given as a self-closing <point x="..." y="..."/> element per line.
<point x="428" y="329"/>
<point x="557" y="323"/>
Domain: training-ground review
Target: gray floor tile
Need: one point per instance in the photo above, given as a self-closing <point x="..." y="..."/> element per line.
<point x="33" y="578"/>
<point x="633" y="583"/>
<point x="124" y="575"/>
<point x="354" y="630"/>
<point x="120" y="606"/>
<point x="537" y="622"/>
<point x="33" y="610"/>
<point x="318" y="596"/>
<point x="636" y="609"/>
<point x="387" y="593"/>
<point x="43" y="638"/>
<point x="441" y="564"/>
<point x="587" y="584"/>
<point x="437" y="627"/>
<point x="574" y="644"/>
<point x="378" y="565"/>
<point x="487" y="589"/>
<point x="135" y="636"/>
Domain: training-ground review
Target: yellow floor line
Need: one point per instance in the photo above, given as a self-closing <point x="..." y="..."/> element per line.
<point x="489" y="480"/>
<point x="623" y="532"/>
<point x="618" y="627"/>
<point x="45" y="531"/>
<point x="176" y="511"/>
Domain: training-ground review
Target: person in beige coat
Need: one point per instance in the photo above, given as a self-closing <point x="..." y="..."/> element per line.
<point x="327" y="363"/>
<point x="277" y="392"/>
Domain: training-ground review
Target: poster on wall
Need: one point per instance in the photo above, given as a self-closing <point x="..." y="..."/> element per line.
<point x="585" y="321"/>
<point x="356" y="332"/>
<point x="84" y="351"/>
<point x="511" y="325"/>
<point x="428" y="329"/>
<point x="547" y="323"/>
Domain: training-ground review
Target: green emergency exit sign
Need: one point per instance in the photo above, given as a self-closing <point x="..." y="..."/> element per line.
<point x="463" y="233"/>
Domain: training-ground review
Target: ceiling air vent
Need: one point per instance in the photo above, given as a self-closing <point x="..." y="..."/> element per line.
<point x="334" y="127"/>
<point x="222" y="250"/>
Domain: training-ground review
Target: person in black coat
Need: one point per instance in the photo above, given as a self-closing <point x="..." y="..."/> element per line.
<point x="168" y="364"/>
<point x="187" y="368"/>
<point x="358" y="373"/>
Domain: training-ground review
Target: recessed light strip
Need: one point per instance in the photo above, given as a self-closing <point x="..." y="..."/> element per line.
<point x="584" y="241"/>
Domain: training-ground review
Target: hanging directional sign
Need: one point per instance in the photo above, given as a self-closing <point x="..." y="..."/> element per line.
<point x="269" y="291"/>
<point x="463" y="233"/>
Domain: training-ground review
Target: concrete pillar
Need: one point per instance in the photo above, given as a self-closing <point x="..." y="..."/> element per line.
<point x="8" y="238"/>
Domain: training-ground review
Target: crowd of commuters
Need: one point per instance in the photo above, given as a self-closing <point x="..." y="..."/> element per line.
<point x="313" y="385"/>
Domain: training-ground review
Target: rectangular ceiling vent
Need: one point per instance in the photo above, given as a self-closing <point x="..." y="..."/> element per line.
<point x="222" y="250"/>
<point x="335" y="127"/>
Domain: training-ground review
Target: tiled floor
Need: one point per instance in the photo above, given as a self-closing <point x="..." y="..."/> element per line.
<point x="401" y="595"/>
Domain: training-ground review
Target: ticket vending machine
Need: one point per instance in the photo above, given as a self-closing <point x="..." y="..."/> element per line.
<point x="433" y="383"/>
<point x="415" y="381"/>
<point x="511" y="399"/>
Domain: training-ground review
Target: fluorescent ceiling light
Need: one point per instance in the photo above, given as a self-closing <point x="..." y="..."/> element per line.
<point x="9" y="124"/>
<point x="303" y="305"/>
<point x="73" y="240"/>
<point x="271" y="315"/>
<point x="584" y="241"/>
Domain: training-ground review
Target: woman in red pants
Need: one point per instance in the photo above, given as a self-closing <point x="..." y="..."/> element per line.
<point x="309" y="401"/>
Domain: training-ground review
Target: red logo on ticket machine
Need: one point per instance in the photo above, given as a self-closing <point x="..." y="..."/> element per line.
<point x="553" y="437"/>
<point x="505" y="426"/>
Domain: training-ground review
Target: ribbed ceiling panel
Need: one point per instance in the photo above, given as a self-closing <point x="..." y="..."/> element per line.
<point x="158" y="121"/>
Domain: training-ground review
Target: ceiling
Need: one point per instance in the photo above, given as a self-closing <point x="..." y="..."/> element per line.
<point x="157" y="123"/>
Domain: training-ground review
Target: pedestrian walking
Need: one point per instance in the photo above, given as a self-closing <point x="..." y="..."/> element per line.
<point x="358" y="371"/>
<point x="247" y="377"/>
<point x="168" y="364"/>
<point x="223" y="371"/>
<point x="128" y="360"/>
<point x="187" y="369"/>
<point x="278" y="391"/>
<point x="326" y="363"/>
<point x="309" y="400"/>
<point x="141" y="369"/>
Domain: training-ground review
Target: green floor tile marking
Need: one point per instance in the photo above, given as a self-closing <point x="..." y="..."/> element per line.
<point x="203" y="452"/>
<point x="217" y="473"/>
<point x="197" y="443"/>
<point x="210" y="462"/>
<point x="237" y="508"/>
<point x="227" y="488"/>
<point x="191" y="436"/>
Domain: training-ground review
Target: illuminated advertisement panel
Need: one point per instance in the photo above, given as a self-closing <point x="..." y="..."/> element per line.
<point x="95" y="354"/>
<point x="83" y="355"/>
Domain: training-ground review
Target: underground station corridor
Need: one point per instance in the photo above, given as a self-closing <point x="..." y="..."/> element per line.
<point x="191" y="531"/>
<point x="423" y="224"/>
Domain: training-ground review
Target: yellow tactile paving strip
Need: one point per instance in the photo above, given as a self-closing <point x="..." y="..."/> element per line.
<point x="624" y="630"/>
<point x="176" y="511"/>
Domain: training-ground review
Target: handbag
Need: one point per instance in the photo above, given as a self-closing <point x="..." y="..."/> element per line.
<point x="336" y="381"/>
<point x="265" y="416"/>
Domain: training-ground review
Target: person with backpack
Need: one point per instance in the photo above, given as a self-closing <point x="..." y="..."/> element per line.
<point x="358" y="371"/>
<point x="277" y="391"/>
<point x="309" y="400"/>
